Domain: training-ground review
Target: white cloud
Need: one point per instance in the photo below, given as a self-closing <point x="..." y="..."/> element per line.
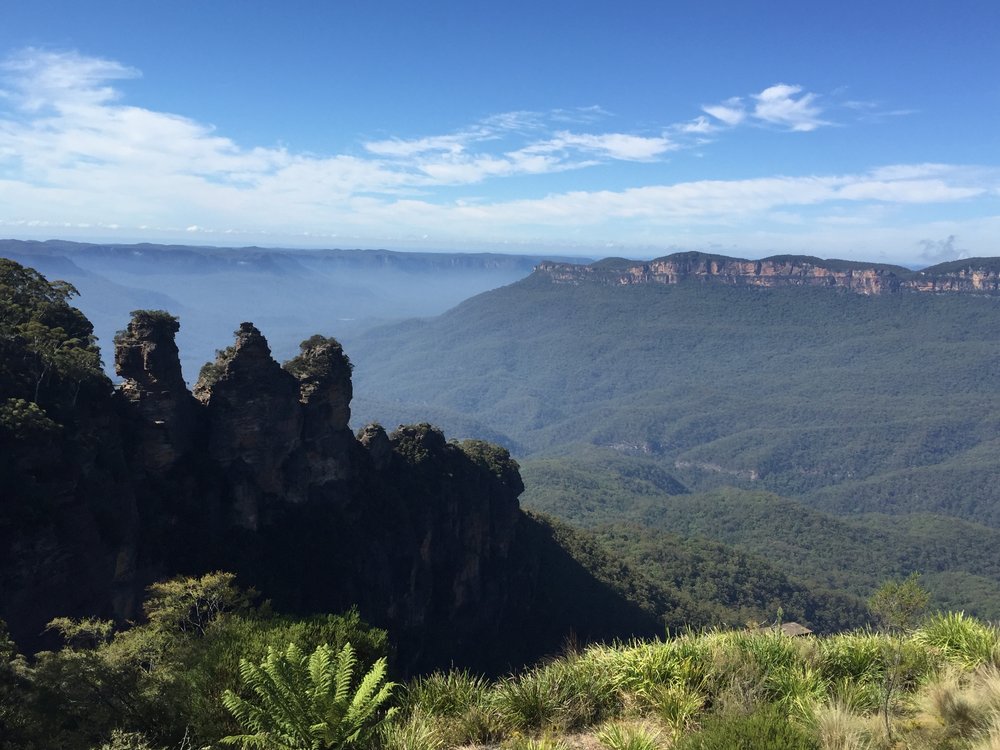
<point x="730" y="112"/>
<point x="700" y="125"/>
<point x="781" y="105"/>
<point x="786" y="105"/>
<point x="73" y="155"/>
<point x="907" y="191"/>
<point x="610" y="145"/>
<point x="63" y="80"/>
<point x="398" y="147"/>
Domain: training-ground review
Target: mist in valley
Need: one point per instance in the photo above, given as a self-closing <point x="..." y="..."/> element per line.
<point x="288" y="294"/>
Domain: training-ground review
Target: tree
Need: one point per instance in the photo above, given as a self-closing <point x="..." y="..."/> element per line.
<point x="42" y="337"/>
<point x="307" y="703"/>
<point x="192" y="604"/>
<point x="898" y="607"/>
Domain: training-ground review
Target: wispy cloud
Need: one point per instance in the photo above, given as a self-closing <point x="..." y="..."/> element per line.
<point x="780" y="105"/>
<point x="730" y="112"/>
<point x="787" y="106"/>
<point x="38" y="79"/>
<point x="620" y="146"/>
<point x="74" y="153"/>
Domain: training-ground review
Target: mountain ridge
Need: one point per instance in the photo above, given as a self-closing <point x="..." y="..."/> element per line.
<point x="974" y="275"/>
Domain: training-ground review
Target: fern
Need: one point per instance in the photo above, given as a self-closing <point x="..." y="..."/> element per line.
<point x="307" y="703"/>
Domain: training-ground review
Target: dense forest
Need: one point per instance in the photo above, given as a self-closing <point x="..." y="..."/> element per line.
<point x="843" y="437"/>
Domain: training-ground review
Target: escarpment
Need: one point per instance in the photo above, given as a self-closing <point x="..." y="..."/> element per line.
<point x="974" y="276"/>
<point x="258" y="472"/>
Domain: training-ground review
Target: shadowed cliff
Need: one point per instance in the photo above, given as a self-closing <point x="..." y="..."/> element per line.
<point x="258" y="472"/>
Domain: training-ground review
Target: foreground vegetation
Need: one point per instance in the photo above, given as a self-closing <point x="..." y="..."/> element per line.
<point x="730" y="689"/>
<point x="209" y="669"/>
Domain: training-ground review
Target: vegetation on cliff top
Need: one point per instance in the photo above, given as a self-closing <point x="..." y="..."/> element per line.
<point x="933" y="683"/>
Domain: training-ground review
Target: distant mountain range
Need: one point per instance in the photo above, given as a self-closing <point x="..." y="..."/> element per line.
<point x="289" y="294"/>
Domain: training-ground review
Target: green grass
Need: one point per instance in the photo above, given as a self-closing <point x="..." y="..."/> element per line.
<point x="742" y="689"/>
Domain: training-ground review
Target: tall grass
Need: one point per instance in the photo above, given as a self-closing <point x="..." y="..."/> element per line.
<point x="629" y="736"/>
<point x="706" y="690"/>
<point x="960" y="638"/>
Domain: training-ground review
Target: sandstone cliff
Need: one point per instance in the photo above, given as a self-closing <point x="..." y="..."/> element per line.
<point x="258" y="472"/>
<point x="977" y="275"/>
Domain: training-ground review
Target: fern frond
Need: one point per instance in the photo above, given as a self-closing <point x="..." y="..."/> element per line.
<point x="345" y="671"/>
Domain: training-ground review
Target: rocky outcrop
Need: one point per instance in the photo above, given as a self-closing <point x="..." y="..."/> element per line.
<point x="979" y="276"/>
<point x="375" y="440"/>
<point x="254" y="423"/>
<point x="323" y="372"/>
<point x="159" y="404"/>
<point x="259" y="473"/>
<point x="975" y="276"/>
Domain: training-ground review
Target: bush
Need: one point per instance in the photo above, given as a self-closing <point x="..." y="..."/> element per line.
<point x="765" y="729"/>
<point x="445" y="693"/>
<point x="960" y="638"/>
<point x="309" y="703"/>
<point x="620" y="736"/>
<point x="565" y="694"/>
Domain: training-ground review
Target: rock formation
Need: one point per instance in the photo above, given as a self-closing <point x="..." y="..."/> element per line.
<point x="160" y="405"/>
<point x="259" y="473"/>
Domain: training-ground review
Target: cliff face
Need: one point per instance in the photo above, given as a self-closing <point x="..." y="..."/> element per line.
<point x="414" y="530"/>
<point x="258" y="472"/>
<point x="979" y="276"/>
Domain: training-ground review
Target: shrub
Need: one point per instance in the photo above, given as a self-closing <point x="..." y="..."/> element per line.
<point x="530" y="743"/>
<point x="457" y="704"/>
<point x="764" y="729"/>
<point x="621" y="736"/>
<point x="564" y="694"/>
<point x="855" y="657"/>
<point x="309" y="703"/>
<point x="839" y="728"/>
<point x="960" y="638"/>
<point x="120" y="740"/>
<point x="418" y="732"/>
<point x="445" y="693"/>
<point x="677" y="706"/>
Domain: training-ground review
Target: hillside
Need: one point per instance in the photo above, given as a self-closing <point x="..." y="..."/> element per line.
<point x="833" y="398"/>
<point x="862" y="418"/>
<point x="601" y="491"/>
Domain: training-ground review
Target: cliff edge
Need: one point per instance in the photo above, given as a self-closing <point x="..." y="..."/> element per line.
<point x="972" y="276"/>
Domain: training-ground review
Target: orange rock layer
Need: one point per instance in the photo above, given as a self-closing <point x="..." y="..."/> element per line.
<point x="976" y="276"/>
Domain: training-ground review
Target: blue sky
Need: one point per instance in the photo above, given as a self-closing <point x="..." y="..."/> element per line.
<point x="852" y="130"/>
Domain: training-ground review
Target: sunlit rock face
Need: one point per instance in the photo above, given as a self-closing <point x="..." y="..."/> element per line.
<point x="976" y="276"/>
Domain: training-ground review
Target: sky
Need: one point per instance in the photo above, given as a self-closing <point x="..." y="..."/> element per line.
<point x="863" y="130"/>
